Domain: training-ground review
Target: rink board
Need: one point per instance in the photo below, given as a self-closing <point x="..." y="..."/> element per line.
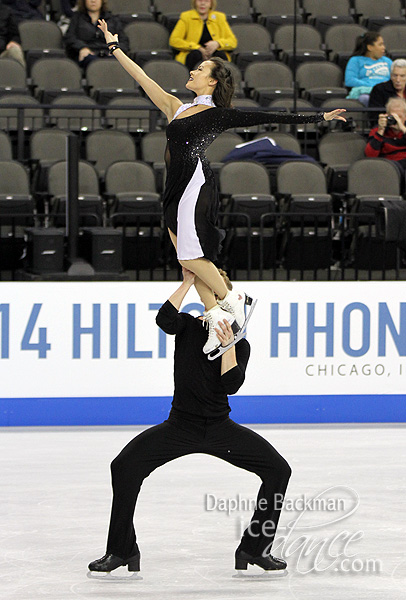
<point x="91" y="353"/>
<point x="244" y="409"/>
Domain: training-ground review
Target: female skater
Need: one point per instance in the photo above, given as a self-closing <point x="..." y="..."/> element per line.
<point x="198" y="423"/>
<point x="190" y="201"/>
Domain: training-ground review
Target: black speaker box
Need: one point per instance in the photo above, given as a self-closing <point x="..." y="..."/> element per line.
<point x="103" y="248"/>
<point x="45" y="249"/>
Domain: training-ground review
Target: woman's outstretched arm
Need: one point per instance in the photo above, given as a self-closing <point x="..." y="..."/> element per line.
<point x="167" y="103"/>
<point x="226" y="118"/>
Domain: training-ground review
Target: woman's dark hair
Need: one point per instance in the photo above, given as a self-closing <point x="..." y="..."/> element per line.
<point x="224" y="90"/>
<point x="82" y="6"/>
<point x="363" y="41"/>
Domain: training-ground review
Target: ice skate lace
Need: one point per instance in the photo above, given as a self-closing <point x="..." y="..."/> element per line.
<point x="208" y="321"/>
<point x="225" y="305"/>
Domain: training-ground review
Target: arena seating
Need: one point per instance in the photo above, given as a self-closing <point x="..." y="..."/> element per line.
<point x="120" y="130"/>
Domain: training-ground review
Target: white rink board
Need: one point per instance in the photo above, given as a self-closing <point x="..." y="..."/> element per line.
<point x="360" y="347"/>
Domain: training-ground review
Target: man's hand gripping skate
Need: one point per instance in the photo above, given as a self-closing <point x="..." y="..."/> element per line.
<point x="226" y="336"/>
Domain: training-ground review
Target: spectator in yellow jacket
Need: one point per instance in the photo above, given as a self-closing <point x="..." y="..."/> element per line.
<point x="202" y="33"/>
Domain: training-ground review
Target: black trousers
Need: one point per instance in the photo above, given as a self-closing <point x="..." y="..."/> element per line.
<point x="182" y="435"/>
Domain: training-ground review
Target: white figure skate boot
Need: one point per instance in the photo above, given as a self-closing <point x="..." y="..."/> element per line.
<point x="234" y="302"/>
<point x="220" y="350"/>
<point x="211" y="319"/>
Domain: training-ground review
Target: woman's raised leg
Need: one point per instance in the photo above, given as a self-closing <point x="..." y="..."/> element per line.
<point x="228" y="305"/>
<point x="206" y="293"/>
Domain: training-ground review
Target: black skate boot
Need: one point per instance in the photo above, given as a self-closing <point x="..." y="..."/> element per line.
<point x="110" y="562"/>
<point x="268" y="563"/>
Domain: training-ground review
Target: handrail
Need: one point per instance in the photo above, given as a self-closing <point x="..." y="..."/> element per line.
<point x="359" y="243"/>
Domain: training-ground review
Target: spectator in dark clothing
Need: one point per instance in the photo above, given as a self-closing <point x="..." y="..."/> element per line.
<point x="67" y="10"/>
<point x="396" y="86"/>
<point x="389" y="141"/>
<point x="84" y="40"/>
<point x="10" y="46"/>
<point x="67" y="7"/>
<point x="25" y="10"/>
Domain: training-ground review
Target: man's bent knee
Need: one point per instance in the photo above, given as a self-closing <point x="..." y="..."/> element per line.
<point x="279" y="467"/>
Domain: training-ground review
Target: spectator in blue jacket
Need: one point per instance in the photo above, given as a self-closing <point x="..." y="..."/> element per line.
<point x="367" y="66"/>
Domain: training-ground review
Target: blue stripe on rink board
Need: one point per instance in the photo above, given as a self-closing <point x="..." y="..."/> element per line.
<point x="245" y="409"/>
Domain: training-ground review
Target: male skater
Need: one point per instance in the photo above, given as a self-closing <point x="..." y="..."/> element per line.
<point x="198" y="423"/>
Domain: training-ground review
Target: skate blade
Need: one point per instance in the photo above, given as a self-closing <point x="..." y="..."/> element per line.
<point x="132" y="576"/>
<point x="263" y="576"/>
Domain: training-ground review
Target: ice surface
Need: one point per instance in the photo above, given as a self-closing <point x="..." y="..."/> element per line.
<point x="55" y="503"/>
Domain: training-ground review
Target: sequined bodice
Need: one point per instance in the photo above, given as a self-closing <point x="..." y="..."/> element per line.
<point x="189" y="137"/>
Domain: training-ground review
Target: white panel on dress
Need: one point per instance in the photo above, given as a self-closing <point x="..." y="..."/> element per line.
<point x="188" y="242"/>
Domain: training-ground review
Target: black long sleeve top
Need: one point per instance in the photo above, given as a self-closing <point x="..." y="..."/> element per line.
<point x="8" y="27"/>
<point x="24" y="10"/>
<point x="200" y="389"/>
<point x="381" y="93"/>
<point x="189" y="137"/>
<point x="82" y="33"/>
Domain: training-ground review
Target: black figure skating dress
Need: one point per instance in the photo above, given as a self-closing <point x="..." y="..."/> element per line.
<point x="190" y="201"/>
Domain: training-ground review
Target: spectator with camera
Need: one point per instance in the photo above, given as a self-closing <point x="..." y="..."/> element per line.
<point x="388" y="139"/>
<point x="84" y="40"/>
